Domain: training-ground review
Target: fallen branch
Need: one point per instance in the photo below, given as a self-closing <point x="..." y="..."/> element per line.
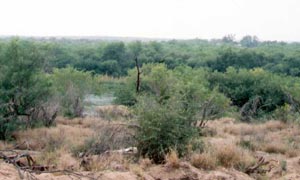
<point x="32" y="168"/>
<point x="257" y="168"/>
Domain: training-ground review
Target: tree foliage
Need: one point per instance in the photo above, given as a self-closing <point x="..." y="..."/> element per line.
<point x="256" y="92"/>
<point x="70" y="87"/>
<point x="23" y="86"/>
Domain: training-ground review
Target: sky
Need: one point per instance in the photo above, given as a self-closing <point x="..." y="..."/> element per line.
<point x="178" y="19"/>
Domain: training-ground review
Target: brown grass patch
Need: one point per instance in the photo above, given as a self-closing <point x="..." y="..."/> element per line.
<point x="274" y="125"/>
<point x="275" y="147"/>
<point x="109" y="136"/>
<point x="145" y="163"/>
<point x="60" y="159"/>
<point x="70" y="122"/>
<point x="96" y="163"/>
<point x="113" y="112"/>
<point x="87" y="122"/>
<point x="292" y="153"/>
<point x="4" y="145"/>
<point x="205" y="161"/>
<point x="228" y="155"/>
<point x="233" y="156"/>
<point x="241" y="129"/>
<point x="48" y="158"/>
<point x="138" y="171"/>
<point x="172" y="160"/>
<point x="52" y="138"/>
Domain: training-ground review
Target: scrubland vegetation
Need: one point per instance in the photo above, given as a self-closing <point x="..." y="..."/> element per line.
<point x="189" y="109"/>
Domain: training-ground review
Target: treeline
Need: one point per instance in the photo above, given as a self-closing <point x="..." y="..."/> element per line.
<point x="115" y="58"/>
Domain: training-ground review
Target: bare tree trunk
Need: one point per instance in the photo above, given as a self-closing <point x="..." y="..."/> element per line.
<point x="77" y="107"/>
<point x="138" y="80"/>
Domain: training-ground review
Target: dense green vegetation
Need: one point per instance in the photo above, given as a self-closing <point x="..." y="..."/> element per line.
<point x="116" y="58"/>
<point x="168" y="104"/>
<point x="23" y="86"/>
<point x="181" y="83"/>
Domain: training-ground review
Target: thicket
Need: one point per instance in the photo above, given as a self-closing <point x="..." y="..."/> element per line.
<point x="257" y="93"/>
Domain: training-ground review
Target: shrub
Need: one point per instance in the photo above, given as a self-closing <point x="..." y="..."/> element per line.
<point x="190" y="85"/>
<point x="169" y="103"/>
<point x="23" y="87"/>
<point x="197" y="145"/>
<point x="70" y="87"/>
<point x="256" y="92"/>
<point x="282" y="113"/>
<point x="162" y="127"/>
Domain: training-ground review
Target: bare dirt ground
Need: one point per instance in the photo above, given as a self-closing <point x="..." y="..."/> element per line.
<point x="232" y="150"/>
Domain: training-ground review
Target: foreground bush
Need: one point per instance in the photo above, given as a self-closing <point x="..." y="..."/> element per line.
<point x="169" y="103"/>
<point x="162" y="127"/>
<point x="23" y="88"/>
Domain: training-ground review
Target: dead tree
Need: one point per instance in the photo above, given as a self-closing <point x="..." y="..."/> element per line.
<point x="138" y="80"/>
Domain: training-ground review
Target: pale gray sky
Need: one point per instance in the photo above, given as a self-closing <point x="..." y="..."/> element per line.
<point x="268" y="19"/>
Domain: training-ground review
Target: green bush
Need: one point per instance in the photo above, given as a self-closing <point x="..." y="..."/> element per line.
<point x="23" y="87"/>
<point x="256" y="92"/>
<point x="162" y="127"/>
<point x="187" y="83"/>
<point x="169" y="103"/>
<point x="70" y="87"/>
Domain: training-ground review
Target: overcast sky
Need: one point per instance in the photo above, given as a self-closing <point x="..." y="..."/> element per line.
<point x="268" y="19"/>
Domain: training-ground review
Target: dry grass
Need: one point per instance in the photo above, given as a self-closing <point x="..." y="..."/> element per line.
<point x="115" y="162"/>
<point x="272" y="137"/>
<point x="206" y="161"/>
<point x="275" y="147"/>
<point x="172" y="159"/>
<point x="109" y="136"/>
<point x="4" y="145"/>
<point x="145" y="163"/>
<point x="232" y="156"/>
<point x="53" y="138"/>
<point x="228" y="155"/>
<point x="138" y="171"/>
<point x="60" y="159"/>
<point x="292" y="153"/>
<point x="220" y="144"/>
<point x="274" y="125"/>
<point x="242" y="129"/>
<point x="114" y="112"/>
<point x="48" y="158"/>
<point x="87" y="122"/>
<point x="225" y="155"/>
<point x="40" y="139"/>
<point x="67" y="161"/>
